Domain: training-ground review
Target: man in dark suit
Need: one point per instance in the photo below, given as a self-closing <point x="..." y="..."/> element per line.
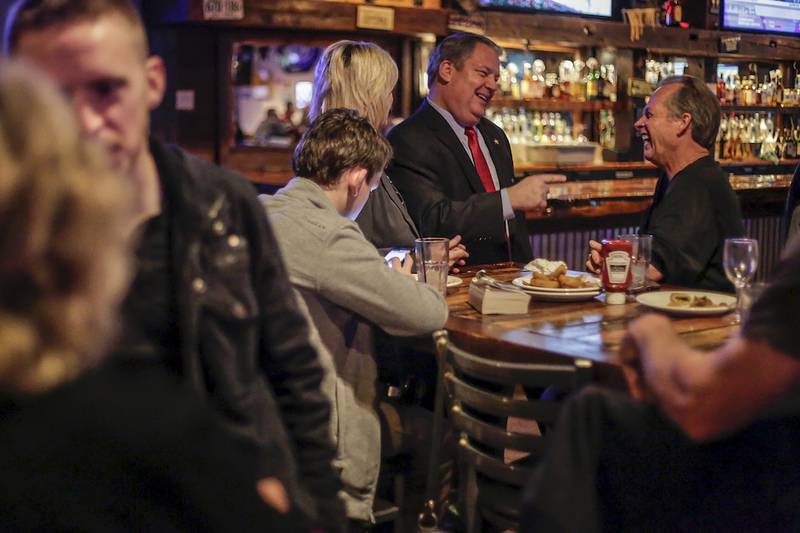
<point x="454" y="167"/>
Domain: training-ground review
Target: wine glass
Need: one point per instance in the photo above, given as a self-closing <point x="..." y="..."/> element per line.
<point x="740" y="260"/>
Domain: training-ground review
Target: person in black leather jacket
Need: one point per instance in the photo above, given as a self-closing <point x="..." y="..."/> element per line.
<point x="210" y="296"/>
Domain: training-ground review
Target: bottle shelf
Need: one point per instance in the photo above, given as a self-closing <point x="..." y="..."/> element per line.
<point x="554" y="105"/>
<point x="760" y="108"/>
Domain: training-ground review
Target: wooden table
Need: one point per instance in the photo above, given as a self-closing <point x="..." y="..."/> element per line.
<point x="555" y="332"/>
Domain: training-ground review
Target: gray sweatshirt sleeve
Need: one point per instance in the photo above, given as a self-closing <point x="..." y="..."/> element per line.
<point x="359" y="279"/>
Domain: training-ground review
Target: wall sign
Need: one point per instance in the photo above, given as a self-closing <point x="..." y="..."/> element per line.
<point x="729" y="45"/>
<point x="223" y="9"/>
<point x="375" y="18"/>
<point x="470" y="23"/>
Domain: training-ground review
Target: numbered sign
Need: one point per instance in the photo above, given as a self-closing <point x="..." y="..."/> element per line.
<point x="223" y="9"/>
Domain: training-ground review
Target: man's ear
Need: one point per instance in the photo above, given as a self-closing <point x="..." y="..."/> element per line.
<point x="356" y="178"/>
<point x="685" y="123"/>
<point x="156" y="74"/>
<point x="446" y="69"/>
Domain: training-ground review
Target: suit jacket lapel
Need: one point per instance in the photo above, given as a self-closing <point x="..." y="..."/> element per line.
<point x="446" y="134"/>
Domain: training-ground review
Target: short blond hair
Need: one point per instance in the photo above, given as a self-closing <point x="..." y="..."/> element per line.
<point x="64" y="253"/>
<point x="354" y="75"/>
<point x="30" y="16"/>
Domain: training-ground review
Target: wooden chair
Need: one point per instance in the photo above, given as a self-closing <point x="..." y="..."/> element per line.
<point x="481" y="399"/>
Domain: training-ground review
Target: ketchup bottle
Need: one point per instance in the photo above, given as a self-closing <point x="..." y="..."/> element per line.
<point x="616" y="269"/>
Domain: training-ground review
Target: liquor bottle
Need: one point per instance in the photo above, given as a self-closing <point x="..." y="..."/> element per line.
<point x="579" y="82"/>
<point x="726" y="149"/>
<point x="551" y="128"/>
<point x="721" y="90"/>
<point x="610" y="88"/>
<point x="538" y="87"/>
<point x="677" y="12"/>
<point x="780" y="144"/>
<point x="543" y="138"/>
<point x="747" y="91"/>
<point x="566" y="73"/>
<point x="778" y="88"/>
<point x="790" y="146"/>
<point x="602" y="73"/>
<point x="719" y="146"/>
<point x="505" y="81"/>
<point x="526" y="88"/>
<point x="513" y="70"/>
<point x="673" y="12"/>
<point x="763" y="130"/>
<point x="591" y="79"/>
<point x="537" y="128"/>
<point x="766" y="91"/>
<point x="730" y="93"/>
<point x="553" y="87"/>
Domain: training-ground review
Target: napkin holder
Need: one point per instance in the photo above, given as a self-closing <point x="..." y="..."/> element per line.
<point x="492" y="297"/>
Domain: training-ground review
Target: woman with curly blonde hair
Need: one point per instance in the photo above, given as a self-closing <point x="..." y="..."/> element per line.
<point x="118" y="447"/>
<point x="64" y="258"/>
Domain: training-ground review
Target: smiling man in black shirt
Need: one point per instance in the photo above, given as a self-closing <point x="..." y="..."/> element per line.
<point x="694" y="207"/>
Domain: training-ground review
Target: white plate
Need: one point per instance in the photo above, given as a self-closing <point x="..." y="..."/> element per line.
<point x="452" y="281"/>
<point x="660" y="300"/>
<point x="521" y="283"/>
<point x="563" y="297"/>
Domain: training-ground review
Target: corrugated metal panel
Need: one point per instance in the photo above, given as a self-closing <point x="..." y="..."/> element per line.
<point x="572" y="246"/>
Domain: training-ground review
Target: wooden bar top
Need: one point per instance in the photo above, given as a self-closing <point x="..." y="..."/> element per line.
<point x="637" y="165"/>
<point x="644" y="187"/>
<point x="555" y="332"/>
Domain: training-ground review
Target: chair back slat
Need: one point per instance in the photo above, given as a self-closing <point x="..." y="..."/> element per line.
<point x="493" y="436"/>
<point x="504" y="373"/>
<point x="498" y="405"/>
<point x="492" y="467"/>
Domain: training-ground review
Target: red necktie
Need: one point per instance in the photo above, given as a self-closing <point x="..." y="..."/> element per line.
<point x="480" y="162"/>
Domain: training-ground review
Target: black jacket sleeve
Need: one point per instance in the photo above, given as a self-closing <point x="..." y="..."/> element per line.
<point x="292" y="367"/>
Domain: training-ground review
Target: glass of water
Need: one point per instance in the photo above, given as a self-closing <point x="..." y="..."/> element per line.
<point x="740" y="260"/>
<point x="642" y="249"/>
<point x="432" y="256"/>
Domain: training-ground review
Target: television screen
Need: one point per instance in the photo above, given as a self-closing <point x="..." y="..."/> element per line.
<point x="601" y="8"/>
<point x="780" y="16"/>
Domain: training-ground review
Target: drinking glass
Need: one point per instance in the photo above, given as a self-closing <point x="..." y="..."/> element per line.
<point x="432" y="255"/>
<point x="740" y="260"/>
<point x="642" y="250"/>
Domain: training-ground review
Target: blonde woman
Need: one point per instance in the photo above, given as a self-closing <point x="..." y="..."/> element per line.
<point x="361" y="76"/>
<point x="88" y="445"/>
